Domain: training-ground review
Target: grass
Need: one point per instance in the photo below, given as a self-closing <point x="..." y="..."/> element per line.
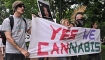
<point x="103" y="52"/>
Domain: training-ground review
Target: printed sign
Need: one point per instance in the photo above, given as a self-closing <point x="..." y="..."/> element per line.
<point x="45" y="10"/>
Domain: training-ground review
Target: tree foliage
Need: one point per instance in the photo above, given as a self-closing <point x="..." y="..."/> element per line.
<point x="2" y="11"/>
<point x="30" y="7"/>
<point x="95" y="9"/>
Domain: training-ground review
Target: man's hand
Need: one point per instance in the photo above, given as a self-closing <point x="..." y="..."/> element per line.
<point x="33" y="15"/>
<point x="25" y="52"/>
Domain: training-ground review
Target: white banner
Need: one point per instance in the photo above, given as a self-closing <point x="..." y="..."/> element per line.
<point x="49" y="39"/>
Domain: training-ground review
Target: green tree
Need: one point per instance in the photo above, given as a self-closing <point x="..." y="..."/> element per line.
<point x="30" y="7"/>
<point x="95" y="10"/>
<point x="2" y="11"/>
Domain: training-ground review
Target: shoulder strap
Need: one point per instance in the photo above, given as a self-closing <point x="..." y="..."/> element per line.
<point x="11" y="21"/>
<point x="25" y="24"/>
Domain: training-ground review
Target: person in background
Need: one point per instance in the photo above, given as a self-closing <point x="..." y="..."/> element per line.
<point x="73" y="57"/>
<point x="2" y="46"/>
<point x="103" y="42"/>
<point x="95" y="56"/>
<point x="15" y="38"/>
<point x="79" y="20"/>
<point x="72" y="25"/>
<point x="66" y="23"/>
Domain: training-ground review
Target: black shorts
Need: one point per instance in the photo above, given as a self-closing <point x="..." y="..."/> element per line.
<point x="11" y="56"/>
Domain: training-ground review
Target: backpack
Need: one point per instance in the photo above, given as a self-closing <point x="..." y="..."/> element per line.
<point x="11" y="25"/>
<point x="3" y="37"/>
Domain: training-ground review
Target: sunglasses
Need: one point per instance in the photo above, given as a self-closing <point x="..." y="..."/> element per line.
<point x="20" y="5"/>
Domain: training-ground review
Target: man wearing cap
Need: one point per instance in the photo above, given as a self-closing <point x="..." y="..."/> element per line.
<point x="15" y="43"/>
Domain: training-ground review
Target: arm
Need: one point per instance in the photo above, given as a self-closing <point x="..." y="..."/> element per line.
<point x="29" y="30"/>
<point x="14" y="44"/>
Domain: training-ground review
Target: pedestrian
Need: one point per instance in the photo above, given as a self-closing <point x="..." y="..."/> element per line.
<point x="15" y="38"/>
<point x="79" y="22"/>
<point x="64" y="22"/>
<point x="95" y="56"/>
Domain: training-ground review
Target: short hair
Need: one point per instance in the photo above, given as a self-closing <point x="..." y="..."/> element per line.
<point x="73" y="24"/>
<point x="63" y="21"/>
<point x="92" y="24"/>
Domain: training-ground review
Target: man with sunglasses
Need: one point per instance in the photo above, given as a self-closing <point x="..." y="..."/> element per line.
<point x="15" y="38"/>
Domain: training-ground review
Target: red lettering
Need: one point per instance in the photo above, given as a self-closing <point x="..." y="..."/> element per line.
<point x="55" y="48"/>
<point x="54" y="32"/>
<point x="73" y="34"/>
<point x="64" y="47"/>
<point x="40" y="44"/>
<point x="64" y="34"/>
